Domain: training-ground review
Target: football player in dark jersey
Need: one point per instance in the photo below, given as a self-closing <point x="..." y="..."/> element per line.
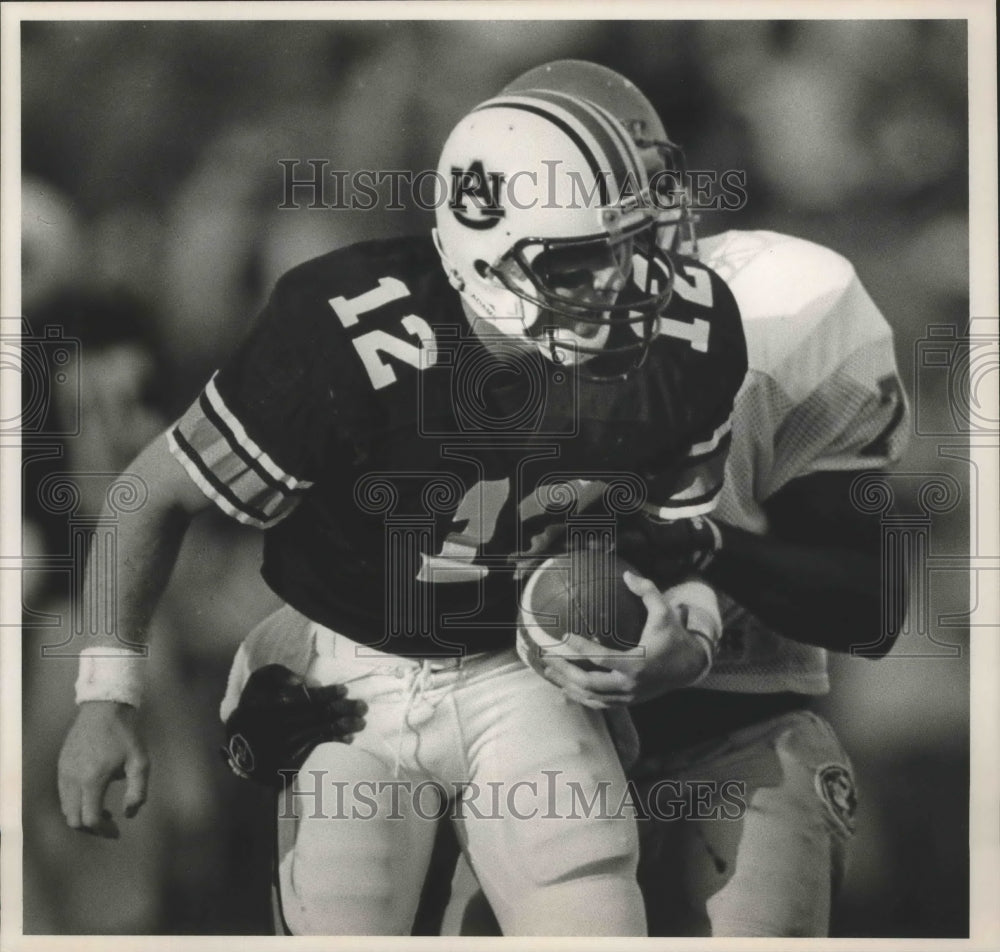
<point x="796" y="562"/>
<point x="411" y="437"/>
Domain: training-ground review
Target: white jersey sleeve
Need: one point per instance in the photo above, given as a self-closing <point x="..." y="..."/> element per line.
<point x="822" y="393"/>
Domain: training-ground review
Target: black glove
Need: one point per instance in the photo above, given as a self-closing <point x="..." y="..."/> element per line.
<point x="279" y="721"/>
<point x="667" y="551"/>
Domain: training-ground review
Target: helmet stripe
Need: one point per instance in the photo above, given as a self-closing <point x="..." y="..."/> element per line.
<point x="625" y="138"/>
<point x="588" y="153"/>
<point x="609" y="134"/>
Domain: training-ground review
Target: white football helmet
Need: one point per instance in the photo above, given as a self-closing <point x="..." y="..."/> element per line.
<point x="663" y="159"/>
<point x="548" y="231"/>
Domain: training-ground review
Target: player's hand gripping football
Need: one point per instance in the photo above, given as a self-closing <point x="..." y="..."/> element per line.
<point x="666" y="658"/>
<point x="279" y="720"/>
<point x="102" y="745"/>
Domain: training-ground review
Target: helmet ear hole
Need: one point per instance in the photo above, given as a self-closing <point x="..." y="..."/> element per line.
<point x="482" y="268"/>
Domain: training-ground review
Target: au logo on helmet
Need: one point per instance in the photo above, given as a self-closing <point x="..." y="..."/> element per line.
<point x="482" y="189"/>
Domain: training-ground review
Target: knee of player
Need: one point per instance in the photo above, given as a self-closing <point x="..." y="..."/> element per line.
<point x="561" y="850"/>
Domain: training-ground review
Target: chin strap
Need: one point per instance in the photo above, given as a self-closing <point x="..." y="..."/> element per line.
<point x="476" y="305"/>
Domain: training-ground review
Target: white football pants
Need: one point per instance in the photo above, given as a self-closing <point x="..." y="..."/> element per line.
<point x="547" y="822"/>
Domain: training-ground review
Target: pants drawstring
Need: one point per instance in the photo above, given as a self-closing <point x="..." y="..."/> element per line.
<point x="414" y="692"/>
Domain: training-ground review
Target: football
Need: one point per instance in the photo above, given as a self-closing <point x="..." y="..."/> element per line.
<point x="583" y="592"/>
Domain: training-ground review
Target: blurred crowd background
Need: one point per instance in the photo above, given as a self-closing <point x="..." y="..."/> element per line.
<point x="152" y="233"/>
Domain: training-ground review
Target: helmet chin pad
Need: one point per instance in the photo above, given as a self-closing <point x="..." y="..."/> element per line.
<point x="486" y="297"/>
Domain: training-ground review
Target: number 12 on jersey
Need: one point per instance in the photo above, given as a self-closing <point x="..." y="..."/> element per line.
<point x="371" y="345"/>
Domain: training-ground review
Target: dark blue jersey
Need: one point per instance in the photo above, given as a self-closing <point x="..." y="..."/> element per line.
<point x="407" y="470"/>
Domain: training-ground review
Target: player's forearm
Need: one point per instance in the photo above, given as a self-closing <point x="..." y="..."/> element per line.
<point x="124" y="594"/>
<point x="826" y="596"/>
<point x="120" y="596"/>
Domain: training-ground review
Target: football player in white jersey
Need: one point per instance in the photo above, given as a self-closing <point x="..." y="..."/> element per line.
<point x="749" y="797"/>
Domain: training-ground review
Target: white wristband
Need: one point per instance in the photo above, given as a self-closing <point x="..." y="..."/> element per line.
<point x="698" y="606"/>
<point x="110" y="674"/>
